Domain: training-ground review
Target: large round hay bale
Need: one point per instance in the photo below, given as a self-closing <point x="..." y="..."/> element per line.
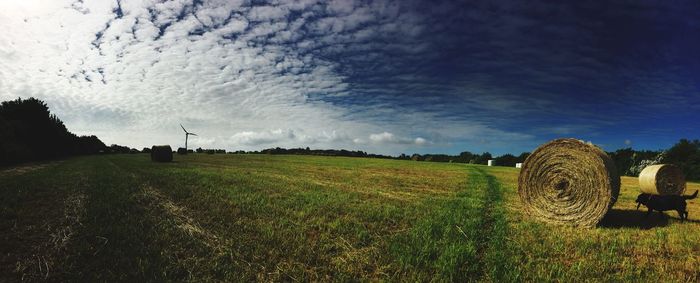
<point x="567" y="181"/>
<point x="161" y="153"/>
<point x="662" y="179"/>
<point x="181" y="150"/>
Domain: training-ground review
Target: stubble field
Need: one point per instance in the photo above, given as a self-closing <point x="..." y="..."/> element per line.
<point x="307" y="218"/>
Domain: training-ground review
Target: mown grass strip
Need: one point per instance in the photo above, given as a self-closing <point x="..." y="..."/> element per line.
<point x="498" y="264"/>
<point x="462" y="238"/>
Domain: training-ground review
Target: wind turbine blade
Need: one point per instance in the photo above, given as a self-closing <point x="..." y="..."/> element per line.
<point x="192" y="134"/>
<point x="183" y="128"/>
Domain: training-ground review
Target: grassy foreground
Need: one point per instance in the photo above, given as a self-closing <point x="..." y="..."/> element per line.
<point x="303" y="218"/>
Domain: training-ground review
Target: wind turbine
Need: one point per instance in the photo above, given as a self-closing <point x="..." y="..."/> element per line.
<point x="187" y="135"/>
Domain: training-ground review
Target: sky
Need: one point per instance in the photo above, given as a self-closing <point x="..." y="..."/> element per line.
<point x="385" y="77"/>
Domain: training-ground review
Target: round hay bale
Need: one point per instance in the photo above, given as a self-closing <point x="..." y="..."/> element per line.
<point x="567" y="181"/>
<point x="181" y="150"/>
<point x="161" y="153"/>
<point x="662" y="179"/>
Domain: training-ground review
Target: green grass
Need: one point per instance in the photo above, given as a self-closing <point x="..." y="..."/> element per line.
<point x="305" y="218"/>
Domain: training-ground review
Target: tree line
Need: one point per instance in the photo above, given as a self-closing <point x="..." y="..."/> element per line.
<point x="685" y="153"/>
<point x="29" y="132"/>
<point x="464" y="157"/>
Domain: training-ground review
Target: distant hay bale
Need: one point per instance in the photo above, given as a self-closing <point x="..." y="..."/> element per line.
<point x="662" y="179"/>
<point x="161" y="153"/>
<point x="491" y="162"/>
<point x="181" y="150"/>
<point x="566" y="181"/>
<point x="518" y="165"/>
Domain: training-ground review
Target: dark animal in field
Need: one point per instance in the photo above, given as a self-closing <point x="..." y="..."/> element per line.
<point x="664" y="203"/>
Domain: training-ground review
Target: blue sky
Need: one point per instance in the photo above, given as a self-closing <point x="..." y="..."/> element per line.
<point x="382" y="76"/>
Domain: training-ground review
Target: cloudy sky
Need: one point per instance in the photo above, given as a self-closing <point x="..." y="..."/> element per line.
<point x="381" y="76"/>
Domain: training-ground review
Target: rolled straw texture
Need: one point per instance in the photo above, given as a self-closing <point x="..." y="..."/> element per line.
<point x="567" y="181"/>
<point x="662" y="179"/>
<point x="161" y="153"/>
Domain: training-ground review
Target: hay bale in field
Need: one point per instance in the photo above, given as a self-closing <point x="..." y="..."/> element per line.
<point x="491" y="162"/>
<point x="181" y="150"/>
<point x="519" y="165"/>
<point x="567" y="181"/>
<point x="161" y="153"/>
<point x="662" y="179"/>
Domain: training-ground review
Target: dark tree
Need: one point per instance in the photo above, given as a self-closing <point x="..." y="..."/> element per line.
<point x="686" y="154"/>
<point x="508" y="160"/>
<point x="30" y="132"/>
<point x="483" y="158"/>
<point x="465" y="157"/>
<point x="523" y="156"/>
<point x="624" y="159"/>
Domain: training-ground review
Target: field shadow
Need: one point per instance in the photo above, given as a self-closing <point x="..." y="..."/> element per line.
<point x="619" y="218"/>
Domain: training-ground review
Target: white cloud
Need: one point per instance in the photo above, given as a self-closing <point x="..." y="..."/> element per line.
<point x="384" y="137"/>
<point x="240" y="77"/>
<point x="288" y="137"/>
<point x="262" y="138"/>
<point x="340" y="6"/>
<point x="389" y="138"/>
<point x="266" y="13"/>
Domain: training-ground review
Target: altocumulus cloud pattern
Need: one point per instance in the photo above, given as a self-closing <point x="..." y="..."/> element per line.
<point x="381" y="76"/>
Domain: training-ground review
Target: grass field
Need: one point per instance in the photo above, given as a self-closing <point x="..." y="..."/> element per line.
<point x="304" y="218"/>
